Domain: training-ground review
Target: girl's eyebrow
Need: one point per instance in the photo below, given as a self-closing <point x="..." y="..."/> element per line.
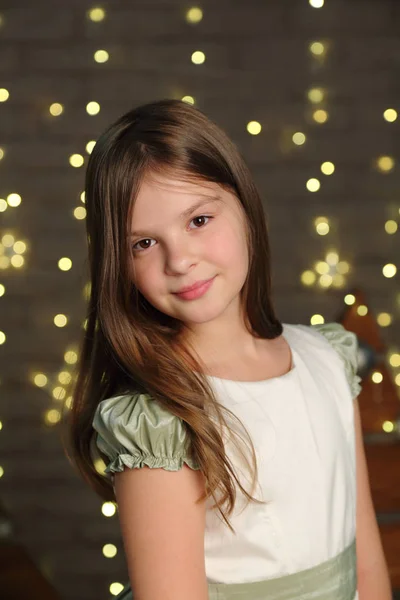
<point x="186" y="213"/>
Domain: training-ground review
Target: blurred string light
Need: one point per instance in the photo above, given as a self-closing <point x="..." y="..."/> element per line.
<point x="194" y="15"/>
<point x="76" y="160"/>
<point x="254" y="127"/>
<point x="391" y="227"/>
<point x="2" y="153"/>
<point x="96" y="14"/>
<point x="89" y="146"/>
<point x="313" y="185"/>
<point x="385" y="164"/>
<point x="198" y="57"/>
<point x="317" y="49"/>
<point x="299" y="138"/>
<point x="93" y="108"/>
<point x="4" y="95"/>
<point x="327" y="168"/>
<point x="317" y="320"/>
<point x="316" y="3"/>
<point x="390" y="115"/>
<point x="188" y="99"/>
<point x="14" y="200"/>
<point x="101" y="56"/>
<point x="320" y="115"/>
<point x="315" y="95"/>
<point x="56" y="109"/>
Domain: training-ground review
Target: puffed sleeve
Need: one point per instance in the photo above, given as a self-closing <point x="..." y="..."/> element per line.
<point x="346" y="345"/>
<point x="133" y="431"/>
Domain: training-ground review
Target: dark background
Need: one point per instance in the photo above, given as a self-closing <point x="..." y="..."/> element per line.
<point x="258" y="67"/>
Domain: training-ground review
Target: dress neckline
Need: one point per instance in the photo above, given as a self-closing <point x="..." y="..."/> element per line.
<point x="263" y="382"/>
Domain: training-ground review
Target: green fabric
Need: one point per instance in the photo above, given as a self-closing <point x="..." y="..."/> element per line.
<point x="133" y="431"/>
<point x="335" y="579"/>
<point x="346" y="345"/>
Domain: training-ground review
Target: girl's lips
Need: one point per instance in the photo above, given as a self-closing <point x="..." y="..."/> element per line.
<point x="196" y="292"/>
<point x="192" y="287"/>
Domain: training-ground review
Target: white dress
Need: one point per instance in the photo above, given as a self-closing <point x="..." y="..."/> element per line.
<point x="302" y="428"/>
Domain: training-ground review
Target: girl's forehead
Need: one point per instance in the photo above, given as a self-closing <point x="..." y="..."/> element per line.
<point x="176" y="184"/>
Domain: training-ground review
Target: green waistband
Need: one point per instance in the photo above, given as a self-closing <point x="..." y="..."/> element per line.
<point x="335" y="579"/>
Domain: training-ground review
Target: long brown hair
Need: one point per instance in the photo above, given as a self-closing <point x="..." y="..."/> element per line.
<point x="126" y="345"/>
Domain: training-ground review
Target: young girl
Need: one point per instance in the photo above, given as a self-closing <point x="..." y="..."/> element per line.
<point x="185" y="369"/>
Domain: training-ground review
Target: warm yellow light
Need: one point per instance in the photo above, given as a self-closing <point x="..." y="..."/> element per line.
<point x="101" y="56"/>
<point x="317" y="320"/>
<point x="60" y="320"/>
<point x="325" y="280"/>
<point x="59" y="393"/>
<point x="108" y="509"/>
<point x="188" y="99"/>
<point x="17" y="261"/>
<point x="83" y="198"/>
<point x="397" y="379"/>
<point x="313" y="185"/>
<point x="394" y="359"/>
<point x="19" y="247"/>
<point x="332" y="258"/>
<point x="362" y="310"/>
<point x="2" y="153"/>
<point x="89" y="146"/>
<point x="388" y="426"/>
<point x="320" y="116"/>
<point x="389" y="270"/>
<point x="327" y="168"/>
<point x="194" y="15"/>
<point x="109" y="550"/>
<point x="254" y="127"/>
<point x="338" y="280"/>
<point x="322" y="228"/>
<point x="198" y="57"/>
<point x="96" y="14"/>
<point x="384" y="319"/>
<point x="8" y="240"/>
<point x="80" y="213"/>
<point x="391" y="227"/>
<point x="4" y="262"/>
<point x="115" y="588"/>
<point x="93" y="108"/>
<point x="2" y="290"/>
<point x="64" y="264"/>
<point x="377" y="377"/>
<point x="14" y="199"/>
<point x="316" y="3"/>
<point x="4" y="94"/>
<point x="70" y="357"/>
<point x="299" y="138"/>
<point x="52" y="416"/>
<point x="322" y="267"/>
<point x="390" y="115"/>
<point x="343" y="267"/>
<point x="76" y="160"/>
<point x="317" y="48"/>
<point x="315" y="95"/>
<point x="64" y="377"/>
<point x="3" y="337"/>
<point x="308" y="278"/>
<point x="385" y="163"/>
<point x="3" y="205"/>
<point x="40" y="379"/>
<point x="99" y="465"/>
<point x="349" y="299"/>
<point x="56" y="109"/>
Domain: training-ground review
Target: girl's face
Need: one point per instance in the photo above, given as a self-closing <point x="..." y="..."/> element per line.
<point x="188" y="232"/>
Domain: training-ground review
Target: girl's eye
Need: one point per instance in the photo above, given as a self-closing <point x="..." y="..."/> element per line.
<point x="137" y="248"/>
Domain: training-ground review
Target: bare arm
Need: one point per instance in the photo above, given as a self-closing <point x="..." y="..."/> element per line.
<point x="163" y="532"/>
<point x="372" y="571"/>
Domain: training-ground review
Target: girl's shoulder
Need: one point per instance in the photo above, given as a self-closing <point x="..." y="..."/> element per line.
<point x="133" y="430"/>
<point x="337" y="343"/>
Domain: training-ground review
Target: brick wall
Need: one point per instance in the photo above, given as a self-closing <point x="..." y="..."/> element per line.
<point x="258" y="67"/>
